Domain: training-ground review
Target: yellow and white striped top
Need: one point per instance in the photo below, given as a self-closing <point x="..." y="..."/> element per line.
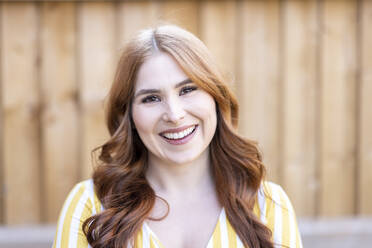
<point x="273" y="208"/>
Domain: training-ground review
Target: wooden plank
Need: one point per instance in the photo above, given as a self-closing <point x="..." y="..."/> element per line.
<point x="365" y="103"/>
<point x="299" y="89"/>
<point x="60" y="116"/>
<point x="221" y="41"/>
<point x="2" y="185"/>
<point x="134" y="16"/>
<point x="181" y="13"/>
<point x="258" y="78"/>
<point x="97" y="61"/>
<point x="338" y="108"/>
<point x="21" y="106"/>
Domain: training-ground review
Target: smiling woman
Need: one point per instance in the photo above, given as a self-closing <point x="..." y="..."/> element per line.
<point x="174" y="172"/>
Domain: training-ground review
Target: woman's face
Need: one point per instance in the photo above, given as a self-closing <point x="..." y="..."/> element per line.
<point x="175" y="119"/>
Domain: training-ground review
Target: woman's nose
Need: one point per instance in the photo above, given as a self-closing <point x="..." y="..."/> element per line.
<point x="175" y="111"/>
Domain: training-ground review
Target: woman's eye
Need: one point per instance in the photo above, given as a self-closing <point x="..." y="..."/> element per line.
<point x="187" y="89"/>
<point x="149" y="99"/>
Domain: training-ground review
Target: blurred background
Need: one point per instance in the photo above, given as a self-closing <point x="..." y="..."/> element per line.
<point x="302" y="72"/>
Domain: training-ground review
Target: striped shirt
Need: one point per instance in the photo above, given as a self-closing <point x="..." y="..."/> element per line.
<point x="273" y="208"/>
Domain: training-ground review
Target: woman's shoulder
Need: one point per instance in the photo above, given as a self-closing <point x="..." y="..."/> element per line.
<point x="83" y="188"/>
<point x="80" y="204"/>
<point x="271" y="190"/>
<point x="272" y="199"/>
<point x="275" y="210"/>
<point x="86" y="185"/>
<point x="83" y="195"/>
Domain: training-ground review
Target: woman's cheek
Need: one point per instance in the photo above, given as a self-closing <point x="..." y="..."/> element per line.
<point x="143" y="117"/>
<point x="203" y="102"/>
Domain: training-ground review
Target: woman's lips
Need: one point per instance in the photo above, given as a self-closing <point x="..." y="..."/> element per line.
<point x="172" y="137"/>
<point x="176" y="130"/>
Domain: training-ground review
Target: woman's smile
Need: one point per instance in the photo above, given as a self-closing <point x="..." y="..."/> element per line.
<point x="179" y="136"/>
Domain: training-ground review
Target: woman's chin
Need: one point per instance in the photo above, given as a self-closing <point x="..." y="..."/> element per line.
<point x="186" y="158"/>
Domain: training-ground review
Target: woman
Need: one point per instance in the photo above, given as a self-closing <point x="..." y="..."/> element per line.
<point x="174" y="172"/>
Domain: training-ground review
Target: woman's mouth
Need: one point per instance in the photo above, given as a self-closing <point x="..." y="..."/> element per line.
<point x="180" y="137"/>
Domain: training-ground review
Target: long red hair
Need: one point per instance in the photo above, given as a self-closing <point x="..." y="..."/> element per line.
<point x="119" y="179"/>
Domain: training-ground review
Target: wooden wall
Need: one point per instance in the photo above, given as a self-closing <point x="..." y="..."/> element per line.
<point x="302" y="71"/>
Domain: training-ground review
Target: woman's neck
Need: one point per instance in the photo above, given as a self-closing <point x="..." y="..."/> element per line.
<point x="193" y="178"/>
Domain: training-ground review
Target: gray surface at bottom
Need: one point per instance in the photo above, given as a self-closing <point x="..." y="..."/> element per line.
<point x="27" y="245"/>
<point x="356" y="241"/>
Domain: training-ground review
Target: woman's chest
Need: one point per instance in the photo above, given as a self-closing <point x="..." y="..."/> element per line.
<point x="192" y="227"/>
<point x="221" y="235"/>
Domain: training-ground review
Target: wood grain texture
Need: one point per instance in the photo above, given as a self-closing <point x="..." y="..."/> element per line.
<point x="97" y="60"/>
<point x="365" y="103"/>
<point x="220" y="35"/>
<point x="338" y="117"/>
<point x="258" y="78"/>
<point x="60" y="115"/>
<point x="182" y="13"/>
<point x="21" y="107"/>
<point x="2" y="183"/>
<point x="135" y="16"/>
<point x="299" y="88"/>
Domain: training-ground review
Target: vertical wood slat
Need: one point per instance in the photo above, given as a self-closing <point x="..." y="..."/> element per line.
<point x="2" y="184"/>
<point x="2" y="177"/>
<point x="21" y="106"/>
<point x="338" y="108"/>
<point x="135" y="16"/>
<point x="299" y="87"/>
<point x="97" y="61"/>
<point x="182" y="13"/>
<point x="365" y="133"/>
<point x="258" y="78"/>
<point x="225" y="50"/>
<point x="60" y="115"/>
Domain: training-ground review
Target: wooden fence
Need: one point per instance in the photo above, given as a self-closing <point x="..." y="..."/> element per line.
<point x="302" y="73"/>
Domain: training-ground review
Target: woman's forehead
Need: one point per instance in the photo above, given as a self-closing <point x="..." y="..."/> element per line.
<point x="159" y="71"/>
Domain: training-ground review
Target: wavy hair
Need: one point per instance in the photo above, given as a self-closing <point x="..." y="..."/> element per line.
<point x="119" y="179"/>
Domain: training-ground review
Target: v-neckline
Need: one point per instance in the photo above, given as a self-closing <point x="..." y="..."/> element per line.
<point x="158" y="242"/>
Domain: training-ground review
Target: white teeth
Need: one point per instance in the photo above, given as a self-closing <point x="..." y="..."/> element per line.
<point x="179" y="135"/>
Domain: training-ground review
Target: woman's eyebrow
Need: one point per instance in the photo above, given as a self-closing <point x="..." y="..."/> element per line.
<point x="152" y="91"/>
<point x="146" y="91"/>
<point x="186" y="81"/>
